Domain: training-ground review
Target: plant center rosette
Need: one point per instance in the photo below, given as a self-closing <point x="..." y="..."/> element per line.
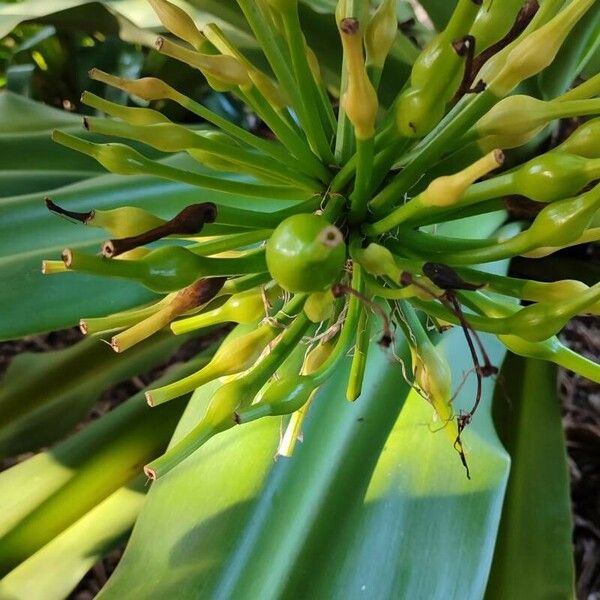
<point x="364" y="249"/>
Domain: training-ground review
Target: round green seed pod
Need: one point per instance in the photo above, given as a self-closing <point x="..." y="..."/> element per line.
<point x="306" y="254"/>
<point x="553" y="176"/>
<point x="584" y="141"/>
<point x="416" y="115"/>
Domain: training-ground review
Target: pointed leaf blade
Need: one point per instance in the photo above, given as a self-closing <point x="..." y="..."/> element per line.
<point x="534" y="555"/>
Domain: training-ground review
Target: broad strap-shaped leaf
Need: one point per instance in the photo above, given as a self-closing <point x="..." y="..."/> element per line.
<point x="439" y="11"/>
<point x="21" y="181"/>
<point x="580" y="48"/>
<point x="25" y="137"/>
<point x="423" y="529"/>
<point x="35" y="152"/>
<point x="21" y="115"/>
<point x="214" y="505"/>
<point x="30" y="161"/>
<point x="534" y="554"/>
<point x="352" y="506"/>
<point x="54" y="570"/>
<point x="42" y="397"/>
<point x="46" y="494"/>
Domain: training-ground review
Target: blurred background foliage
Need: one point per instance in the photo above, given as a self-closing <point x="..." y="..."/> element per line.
<point x="47" y="48"/>
<point x="50" y="64"/>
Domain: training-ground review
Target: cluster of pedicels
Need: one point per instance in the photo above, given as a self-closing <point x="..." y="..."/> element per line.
<point x="356" y="257"/>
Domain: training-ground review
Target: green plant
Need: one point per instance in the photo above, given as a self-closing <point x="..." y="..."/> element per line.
<point x="333" y="298"/>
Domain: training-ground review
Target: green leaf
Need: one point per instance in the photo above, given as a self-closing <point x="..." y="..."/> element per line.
<point x="25" y="137"/>
<point x="421" y="510"/>
<point x="54" y="570"/>
<point x="534" y="554"/>
<point x="21" y="181"/>
<point x="365" y="501"/>
<point x="198" y="549"/>
<point x="439" y="11"/>
<point x="20" y="115"/>
<point x="130" y="19"/>
<point x="37" y="153"/>
<point x="47" y="493"/>
<point x="580" y="47"/>
<point x="39" y="403"/>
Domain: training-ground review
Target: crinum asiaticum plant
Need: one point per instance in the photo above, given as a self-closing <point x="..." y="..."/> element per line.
<point x="354" y="258"/>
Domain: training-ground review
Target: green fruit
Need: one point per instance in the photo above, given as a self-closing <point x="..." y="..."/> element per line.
<point x="306" y="253"/>
<point x="584" y="141"/>
<point x="553" y="176"/>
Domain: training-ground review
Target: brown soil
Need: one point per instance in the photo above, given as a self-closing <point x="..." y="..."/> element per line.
<point x="581" y="409"/>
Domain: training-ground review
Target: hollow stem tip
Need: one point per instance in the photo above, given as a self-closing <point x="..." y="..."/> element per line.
<point x="67" y="256"/>
<point x="150" y="473"/>
<point x="49" y="267"/>
<point x="83" y="326"/>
